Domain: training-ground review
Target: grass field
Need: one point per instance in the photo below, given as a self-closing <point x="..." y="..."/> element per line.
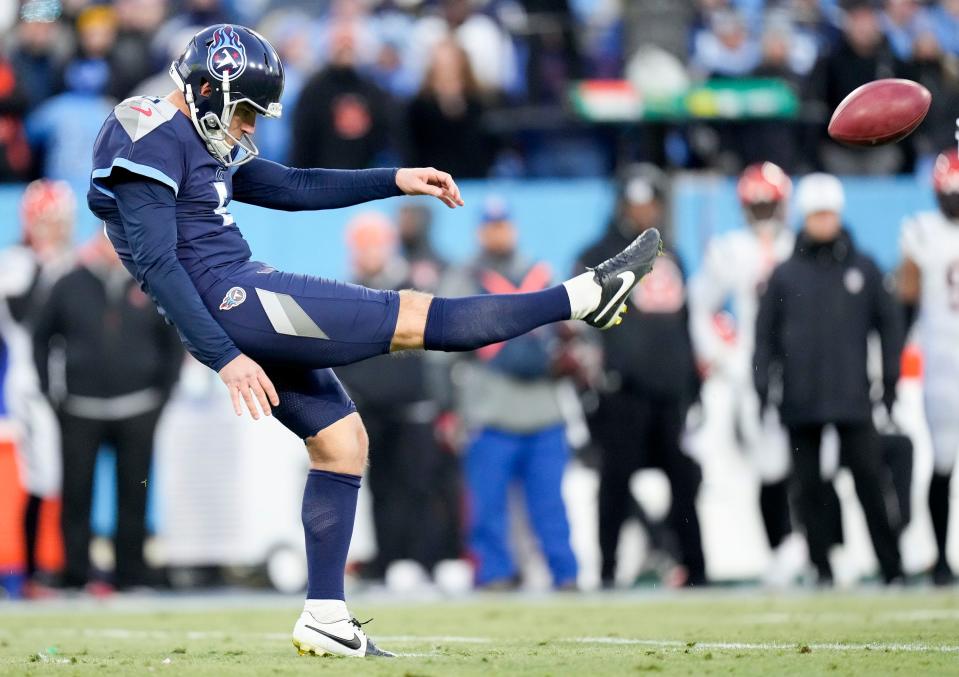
<point x="901" y="632"/>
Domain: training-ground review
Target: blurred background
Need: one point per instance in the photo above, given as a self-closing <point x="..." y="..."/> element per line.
<point x="562" y="459"/>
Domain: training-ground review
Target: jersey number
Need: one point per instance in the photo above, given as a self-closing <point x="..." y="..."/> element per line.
<point x="220" y="187"/>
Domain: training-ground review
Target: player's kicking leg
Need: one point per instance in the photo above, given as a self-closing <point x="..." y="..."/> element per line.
<point x="597" y="296"/>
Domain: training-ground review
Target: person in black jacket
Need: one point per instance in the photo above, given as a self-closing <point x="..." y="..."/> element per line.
<point x="341" y="120"/>
<point x="642" y="411"/>
<point x="445" y="119"/>
<point x="815" y="318"/>
<point x="120" y="361"/>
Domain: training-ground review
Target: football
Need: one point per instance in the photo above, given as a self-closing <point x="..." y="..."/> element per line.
<point x="882" y="111"/>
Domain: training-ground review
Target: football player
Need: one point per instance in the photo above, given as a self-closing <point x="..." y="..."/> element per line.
<point x="735" y="267"/>
<point x="929" y="279"/>
<point x="165" y="172"/>
<point x="28" y="271"/>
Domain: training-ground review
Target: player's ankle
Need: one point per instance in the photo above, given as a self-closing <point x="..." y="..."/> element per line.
<point x="326" y="610"/>
<point x="584" y="294"/>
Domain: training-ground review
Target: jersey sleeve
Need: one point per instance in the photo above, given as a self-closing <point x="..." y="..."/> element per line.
<point x="268" y="184"/>
<point x="708" y="291"/>
<point x="140" y="138"/>
<point x="148" y="211"/>
<point x="914" y="239"/>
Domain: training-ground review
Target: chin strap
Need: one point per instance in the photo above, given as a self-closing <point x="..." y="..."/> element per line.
<point x="212" y="129"/>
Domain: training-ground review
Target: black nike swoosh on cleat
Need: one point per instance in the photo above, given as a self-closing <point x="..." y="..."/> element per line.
<point x="354" y="643"/>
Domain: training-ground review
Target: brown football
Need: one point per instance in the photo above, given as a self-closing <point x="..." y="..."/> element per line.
<point x="882" y="111"/>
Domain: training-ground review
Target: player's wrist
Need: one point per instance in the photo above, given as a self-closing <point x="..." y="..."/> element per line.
<point x="228" y="357"/>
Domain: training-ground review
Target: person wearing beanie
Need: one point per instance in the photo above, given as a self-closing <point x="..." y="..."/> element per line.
<point x="815" y="318"/>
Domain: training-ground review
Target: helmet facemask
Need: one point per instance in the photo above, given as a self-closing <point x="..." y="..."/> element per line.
<point x="214" y="127"/>
<point x="766" y="216"/>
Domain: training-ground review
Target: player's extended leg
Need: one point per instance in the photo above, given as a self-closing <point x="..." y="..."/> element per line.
<point x="461" y="324"/>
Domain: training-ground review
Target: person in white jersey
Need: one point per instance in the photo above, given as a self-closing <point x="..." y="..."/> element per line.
<point x="929" y="286"/>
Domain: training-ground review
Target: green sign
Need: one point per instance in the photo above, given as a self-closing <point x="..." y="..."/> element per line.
<point x="725" y="99"/>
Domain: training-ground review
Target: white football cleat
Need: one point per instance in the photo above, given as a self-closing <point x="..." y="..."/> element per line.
<point x="344" y="637"/>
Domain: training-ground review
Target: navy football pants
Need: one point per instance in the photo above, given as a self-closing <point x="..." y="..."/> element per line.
<point x="297" y="327"/>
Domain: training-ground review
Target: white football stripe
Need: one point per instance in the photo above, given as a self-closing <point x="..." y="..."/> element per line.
<point x="275" y="313"/>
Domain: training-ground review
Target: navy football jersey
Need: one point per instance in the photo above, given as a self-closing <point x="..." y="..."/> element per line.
<point x="151" y="137"/>
<point x="178" y="263"/>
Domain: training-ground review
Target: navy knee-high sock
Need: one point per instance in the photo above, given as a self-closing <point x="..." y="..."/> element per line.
<point x="329" y="508"/>
<point x="471" y="322"/>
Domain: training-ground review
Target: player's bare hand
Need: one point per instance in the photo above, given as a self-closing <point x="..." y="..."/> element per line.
<point x="430" y="181"/>
<point x="246" y="380"/>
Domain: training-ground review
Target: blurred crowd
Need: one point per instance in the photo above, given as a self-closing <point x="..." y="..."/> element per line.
<point x="467" y="446"/>
<point x="480" y="87"/>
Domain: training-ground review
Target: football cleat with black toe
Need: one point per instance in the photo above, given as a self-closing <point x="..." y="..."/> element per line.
<point x="618" y="275"/>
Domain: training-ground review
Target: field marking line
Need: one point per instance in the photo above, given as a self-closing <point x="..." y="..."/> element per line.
<point x="899" y="616"/>
<point x="912" y="647"/>
<point x="769" y="646"/>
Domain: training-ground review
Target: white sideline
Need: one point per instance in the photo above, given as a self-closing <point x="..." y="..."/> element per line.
<point x="911" y="647"/>
<point x="769" y="646"/>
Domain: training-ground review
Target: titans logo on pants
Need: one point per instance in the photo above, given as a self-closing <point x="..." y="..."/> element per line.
<point x="233" y="298"/>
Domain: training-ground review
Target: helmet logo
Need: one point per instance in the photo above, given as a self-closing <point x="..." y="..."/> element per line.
<point x="227" y="55"/>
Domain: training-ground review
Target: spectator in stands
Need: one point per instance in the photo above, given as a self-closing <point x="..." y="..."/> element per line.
<point x="660" y="24"/>
<point x="63" y="129"/>
<point x="861" y="55"/>
<point x="96" y="39"/>
<point x="508" y="399"/>
<point x="119" y="363"/>
<point x="945" y="20"/>
<point x="725" y="48"/>
<point x="27" y="272"/>
<point x="490" y="49"/>
<point x="290" y="32"/>
<point x="415" y="221"/>
<point x="40" y="50"/>
<point x="643" y="406"/>
<point x="785" y="52"/>
<point x="199" y="13"/>
<point x="342" y="119"/>
<point x="135" y="55"/>
<point x="789" y="55"/>
<point x="902" y="22"/>
<point x="814" y="322"/>
<point x="935" y="70"/>
<point x="15" y="159"/>
<point x="415" y="484"/>
<point x="445" y="120"/>
<point x="554" y="58"/>
<point x="158" y="83"/>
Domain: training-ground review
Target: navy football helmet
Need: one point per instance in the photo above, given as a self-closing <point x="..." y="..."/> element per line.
<point x="241" y="68"/>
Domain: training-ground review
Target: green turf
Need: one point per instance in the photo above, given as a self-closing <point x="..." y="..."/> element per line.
<point x="904" y="633"/>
